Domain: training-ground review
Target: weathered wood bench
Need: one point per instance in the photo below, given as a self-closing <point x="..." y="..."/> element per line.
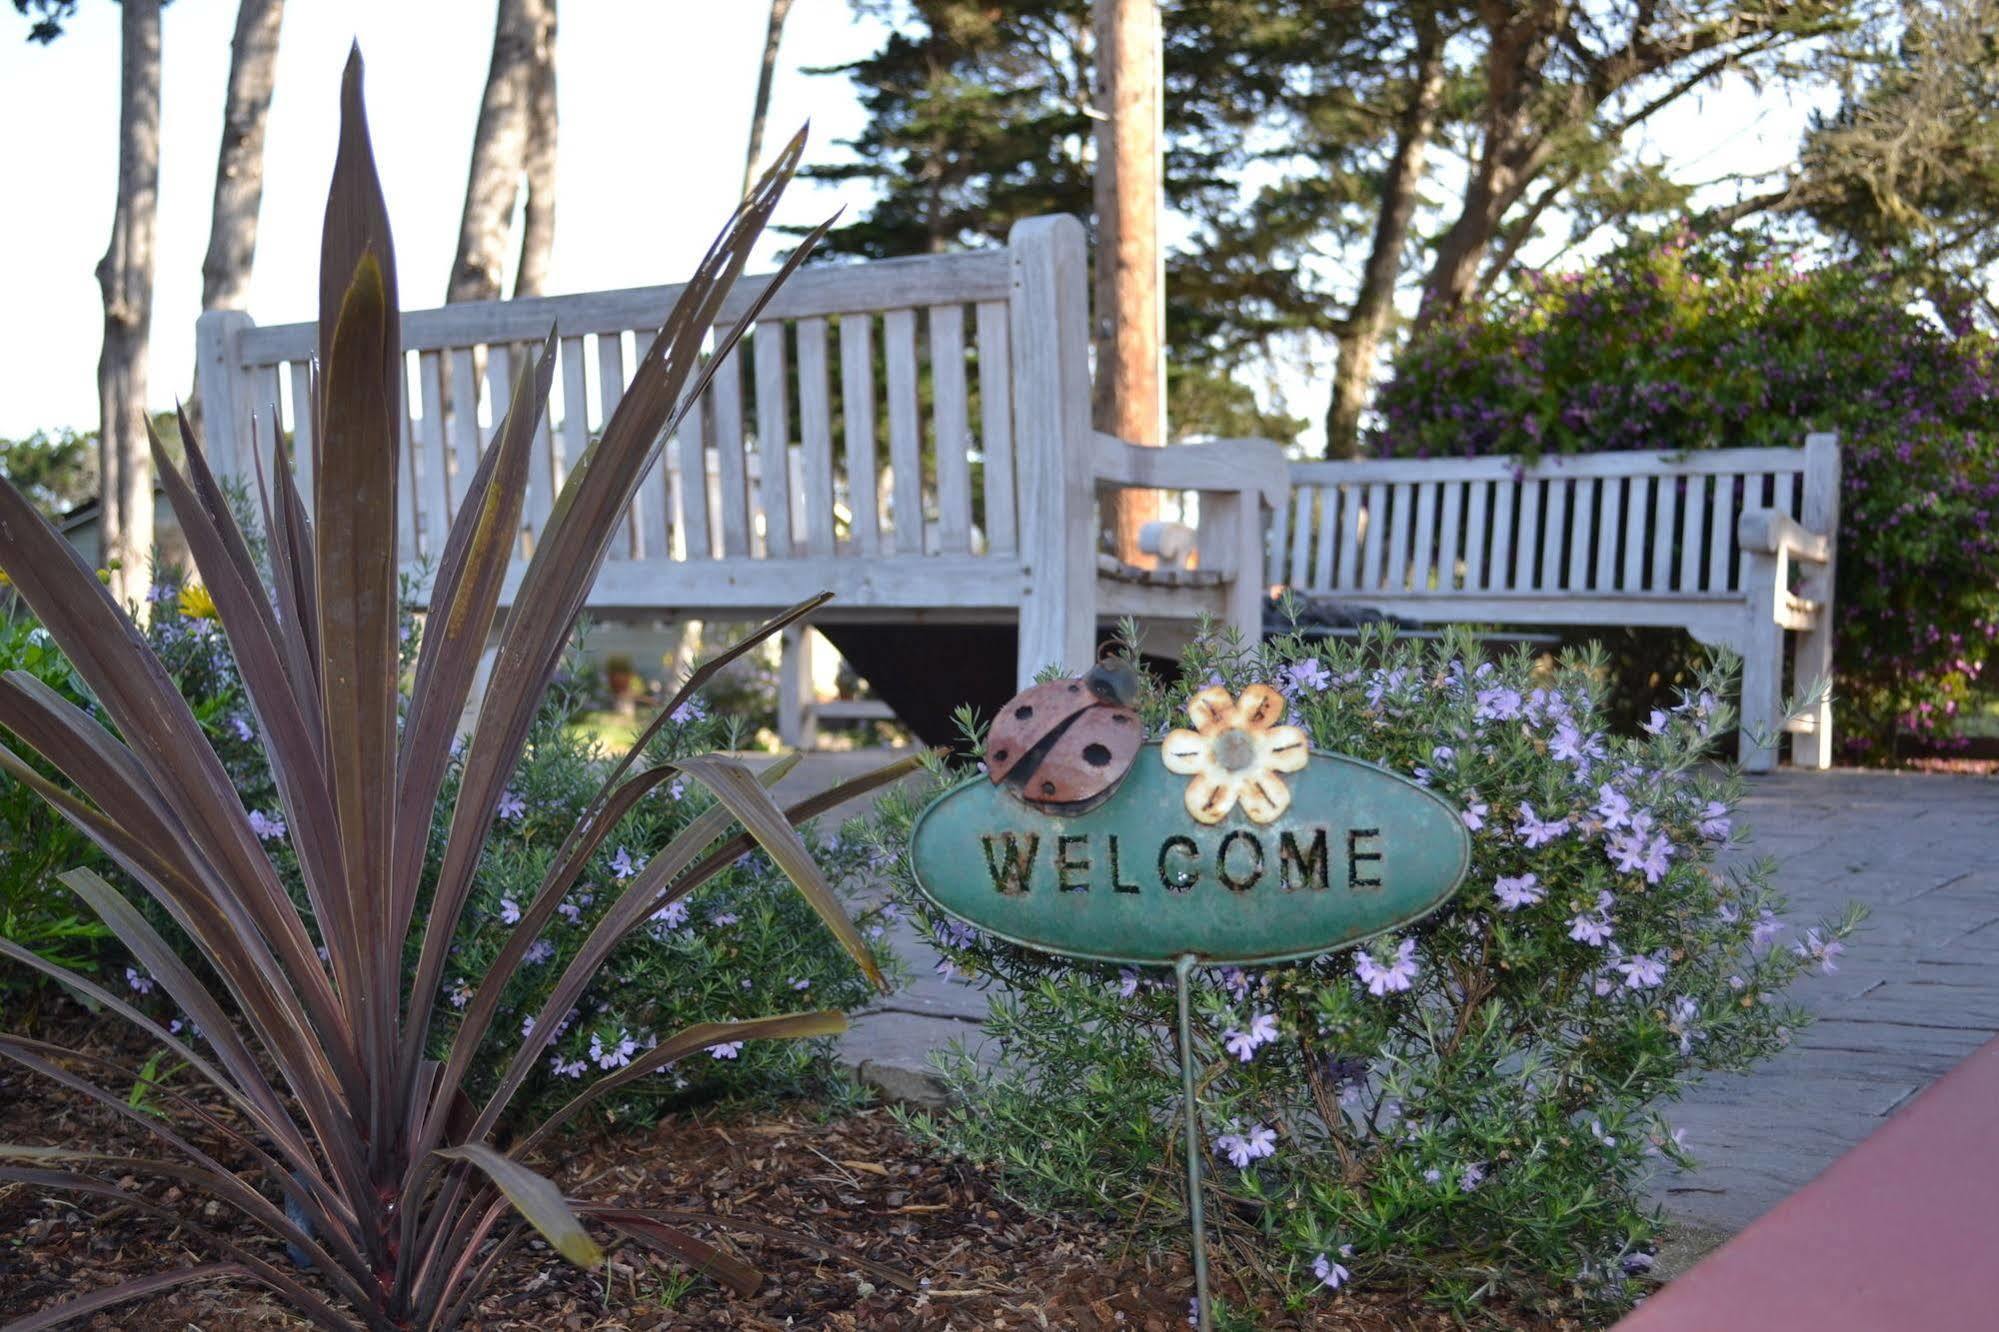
<point x="1736" y="546"/>
<point x="948" y="478"/>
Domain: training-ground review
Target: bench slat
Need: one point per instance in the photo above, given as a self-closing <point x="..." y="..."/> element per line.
<point x="1425" y="553"/>
<point x="950" y="428"/>
<point x="303" y="456"/>
<point x="1582" y="532"/>
<point x="996" y="429"/>
<point x="857" y="419"/>
<point x="773" y="438"/>
<point x="1609" y="530"/>
<point x="1326" y="497"/>
<point x="692" y="530"/>
<point x="1475" y="533"/>
<point x="905" y="437"/>
<point x="1693" y="531"/>
<point x="436" y="502"/>
<point x="1575" y="465"/>
<point x="725" y="412"/>
<point x="1720" y="575"/>
<point x="1665" y="510"/>
<point x="815" y="438"/>
<point x="1554" y="527"/>
<point x="1527" y="543"/>
<point x="1377" y="536"/>
<point x="1351" y="521"/>
<point x="1499" y="564"/>
<point x="1637" y="512"/>
<point x="1401" y="506"/>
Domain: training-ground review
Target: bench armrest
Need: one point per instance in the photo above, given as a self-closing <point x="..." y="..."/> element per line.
<point x="1769" y="532"/>
<point x="1236" y="465"/>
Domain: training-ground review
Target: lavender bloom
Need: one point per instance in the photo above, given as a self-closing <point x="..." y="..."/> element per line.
<point x="1498" y="704"/>
<point x="1331" y="1274"/>
<point x="723" y="918"/>
<point x="1714" y="822"/>
<point x="573" y="1069"/>
<point x="1240" y="1044"/>
<point x="1592" y="928"/>
<point x="1534" y="831"/>
<point x="693" y="710"/>
<point x="616" y="1055"/>
<point x="1613" y="807"/>
<point x="268" y="827"/>
<point x="510" y="911"/>
<point x="1643" y="971"/>
<point x="1656" y="723"/>
<point x="140" y="982"/>
<point x="540" y="951"/>
<point x="623" y="866"/>
<point x="511" y="808"/>
<point x="1242" y="1148"/>
<point x="1570" y="745"/>
<point x="1396" y="976"/>
<point x="671" y="916"/>
<point x="1823" y="950"/>
<point x="1765" y="931"/>
<point x="800" y="983"/>
<point x="242" y="729"/>
<point x="1309" y="676"/>
<point x="1471" y="1177"/>
<point x="1127" y="983"/>
<point x="726" y="1050"/>
<point x="1518" y="891"/>
<point x="1474" y="813"/>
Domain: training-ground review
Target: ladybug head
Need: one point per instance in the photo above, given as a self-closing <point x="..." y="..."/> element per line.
<point x="1114" y="680"/>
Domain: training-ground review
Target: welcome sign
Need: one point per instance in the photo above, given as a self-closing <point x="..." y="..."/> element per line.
<point x="1349" y="850"/>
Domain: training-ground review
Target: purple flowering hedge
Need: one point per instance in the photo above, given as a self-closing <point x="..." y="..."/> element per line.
<point x="1471" y="1106"/>
<point x="1674" y="345"/>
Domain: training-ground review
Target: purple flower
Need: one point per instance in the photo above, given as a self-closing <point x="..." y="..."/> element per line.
<point x="1244" y="1044"/>
<point x="1498" y="704"/>
<point x="671" y="916"/>
<point x="540" y="951"/>
<point x="800" y="983"/>
<point x="1518" y="891"/>
<point x="1714" y="822"/>
<point x="1396" y="976"/>
<point x="615" y="1055"/>
<point x="1823" y="950"/>
<point x="1471" y="1177"/>
<point x="1535" y="831"/>
<point x="512" y="807"/>
<point x="623" y="866"/>
<point x="726" y="1050"/>
<point x="1656" y="723"/>
<point x="140" y="982"/>
<point x="268" y="827"/>
<point x="1592" y="928"/>
<point x="1613" y="807"/>
<point x="693" y="710"/>
<point x="1570" y="745"/>
<point x="242" y="729"/>
<point x="1331" y="1274"/>
<point x="572" y="1069"/>
<point x="510" y="911"/>
<point x="1642" y="971"/>
<point x="1308" y="676"/>
<point x="723" y="918"/>
<point x="1765" y="931"/>
<point x="1242" y="1148"/>
<point x="1127" y="983"/>
<point x="1474" y="813"/>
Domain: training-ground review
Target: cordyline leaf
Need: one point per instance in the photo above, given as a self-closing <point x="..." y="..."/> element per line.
<point x="182" y="770"/>
<point x="535" y="1198"/>
<point x="575" y="540"/>
<point x="812" y="807"/>
<point x="294" y="563"/>
<point x="731" y="783"/>
<point x="82" y="1306"/>
<point x="464" y="598"/>
<point x="291" y="743"/>
<point x="356" y="224"/>
<point x="705" y="1259"/>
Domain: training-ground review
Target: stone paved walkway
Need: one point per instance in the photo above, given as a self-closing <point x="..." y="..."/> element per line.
<point x="1917" y="990"/>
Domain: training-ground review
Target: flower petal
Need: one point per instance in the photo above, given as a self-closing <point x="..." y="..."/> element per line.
<point x="1284" y="748"/>
<point x="1185" y="753"/>
<point x="1265" y="797"/>
<point x="1210" y="797"/>
<point x="1259" y="708"/>
<point x="1211" y="709"/>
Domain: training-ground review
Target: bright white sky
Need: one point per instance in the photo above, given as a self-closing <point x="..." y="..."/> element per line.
<point x="655" y="105"/>
<point x="655" y="101"/>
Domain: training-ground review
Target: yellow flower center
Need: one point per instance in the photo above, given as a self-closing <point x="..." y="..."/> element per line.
<point x="1234" y="749"/>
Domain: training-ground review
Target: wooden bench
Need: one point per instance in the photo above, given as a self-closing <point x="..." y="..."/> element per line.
<point x="1737" y="546"/>
<point x="912" y="435"/>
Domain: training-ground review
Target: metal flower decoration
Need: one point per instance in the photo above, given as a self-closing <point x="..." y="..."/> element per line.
<point x="1237" y="754"/>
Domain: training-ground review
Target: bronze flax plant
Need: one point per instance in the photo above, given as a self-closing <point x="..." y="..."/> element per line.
<point x="348" y="1142"/>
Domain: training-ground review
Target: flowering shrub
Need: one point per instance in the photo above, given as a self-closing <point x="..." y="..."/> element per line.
<point x="1472" y="1104"/>
<point x="743" y="946"/>
<point x="1672" y="345"/>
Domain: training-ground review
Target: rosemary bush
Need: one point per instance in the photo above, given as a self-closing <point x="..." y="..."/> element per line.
<point x="1472" y="1105"/>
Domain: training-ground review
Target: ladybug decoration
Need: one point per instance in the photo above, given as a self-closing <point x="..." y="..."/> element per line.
<point x="1064" y="746"/>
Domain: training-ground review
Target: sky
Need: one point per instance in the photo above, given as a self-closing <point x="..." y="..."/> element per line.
<point x="655" y="101"/>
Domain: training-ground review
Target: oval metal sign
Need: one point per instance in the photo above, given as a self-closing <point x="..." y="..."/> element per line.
<point x="1355" y="851"/>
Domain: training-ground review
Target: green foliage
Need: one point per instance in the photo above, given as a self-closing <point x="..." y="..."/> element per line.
<point x="56" y="470"/>
<point x="1471" y="1106"/>
<point x="1673" y="345"/>
<point x="36" y="844"/>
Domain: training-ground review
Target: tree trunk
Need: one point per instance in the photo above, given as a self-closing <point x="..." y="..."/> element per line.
<point x="760" y="111"/>
<point x="522" y="29"/>
<point x="1130" y="389"/>
<point x="1359" y="341"/>
<point x="239" y="167"/>
<point x="125" y="277"/>
<point x="538" y="167"/>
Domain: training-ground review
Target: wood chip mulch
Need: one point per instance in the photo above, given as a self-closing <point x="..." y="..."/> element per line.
<point x="942" y="1250"/>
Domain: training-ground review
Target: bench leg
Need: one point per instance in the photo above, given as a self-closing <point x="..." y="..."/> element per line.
<point x="1812" y="748"/>
<point x="797" y="727"/>
<point x="1762" y="698"/>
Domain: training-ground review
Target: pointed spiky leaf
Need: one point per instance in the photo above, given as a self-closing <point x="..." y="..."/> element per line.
<point x="535" y="1198"/>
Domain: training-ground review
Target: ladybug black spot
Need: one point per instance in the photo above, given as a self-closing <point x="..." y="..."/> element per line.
<point x="999" y="756"/>
<point x="1075" y="689"/>
<point x="1121" y="719"/>
<point x="1048" y="788"/>
<point x="1097" y="756"/>
<point x="1023" y="712"/>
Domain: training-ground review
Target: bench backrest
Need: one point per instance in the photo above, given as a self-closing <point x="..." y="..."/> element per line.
<point x="868" y="413"/>
<point x="1596" y="526"/>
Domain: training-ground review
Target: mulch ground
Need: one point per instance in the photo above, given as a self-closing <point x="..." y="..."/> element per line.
<point x="941" y="1249"/>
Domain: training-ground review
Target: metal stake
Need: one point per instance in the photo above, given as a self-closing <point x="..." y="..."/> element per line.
<point x="1181" y="970"/>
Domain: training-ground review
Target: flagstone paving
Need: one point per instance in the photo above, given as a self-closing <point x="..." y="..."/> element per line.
<point x="1916" y="991"/>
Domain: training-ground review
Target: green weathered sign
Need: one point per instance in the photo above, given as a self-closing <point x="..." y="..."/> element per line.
<point x="1357" y="850"/>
